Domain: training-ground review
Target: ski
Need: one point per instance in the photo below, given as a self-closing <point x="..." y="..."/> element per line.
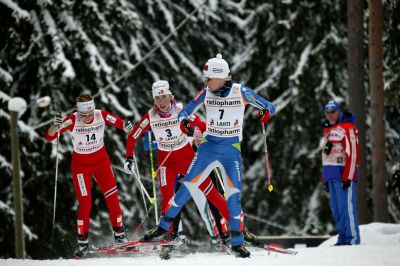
<point x="134" y="246"/>
<point x="279" y="249"/>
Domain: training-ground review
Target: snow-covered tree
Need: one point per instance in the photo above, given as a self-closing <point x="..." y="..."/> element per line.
<point x="291" y="52"/>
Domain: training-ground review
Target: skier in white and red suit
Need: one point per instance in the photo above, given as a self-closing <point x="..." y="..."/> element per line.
<point x="90" y="158"/>
<point x="162" y="119"/>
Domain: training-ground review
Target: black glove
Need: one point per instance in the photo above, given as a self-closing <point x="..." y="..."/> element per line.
<point x="346" y="184"/>
<point x="179" y="181"/>
<point x="58" y="120"/>
<point x="187" y="127"/>
<point x="326" y="124"/>
<point x="179" y="178"/>
<point x="327" y="147"/>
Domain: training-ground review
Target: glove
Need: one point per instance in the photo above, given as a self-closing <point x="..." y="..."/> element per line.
<point x="187" y="127"/>
<point x="326" y="124"/>
<point x="178" y="181"/>
<point x="58" y="120"/>
<point x="346" y="184"/>
<point x="179" y="178"/>
<point x="129" y="166"/>
<point x="327" y="148"/>
<point x="127" y="127"/>
<point x="264" y="115"/>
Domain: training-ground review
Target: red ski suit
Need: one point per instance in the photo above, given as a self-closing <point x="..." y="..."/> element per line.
<point x="177" y="163"/>
<point x="90" y="159"/>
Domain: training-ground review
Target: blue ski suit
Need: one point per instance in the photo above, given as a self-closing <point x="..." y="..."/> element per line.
<point x="220" y="147"/>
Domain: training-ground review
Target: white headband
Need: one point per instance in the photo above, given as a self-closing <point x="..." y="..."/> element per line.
<point x="85" y="107"/>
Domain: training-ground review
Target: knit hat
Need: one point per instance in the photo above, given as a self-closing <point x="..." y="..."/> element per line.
<point x="216" y="68"/>
<point x="160" y="87"/>
<point x="332" y="105"/>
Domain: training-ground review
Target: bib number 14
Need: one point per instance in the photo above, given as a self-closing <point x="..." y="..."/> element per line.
<point x="90" y="137"/>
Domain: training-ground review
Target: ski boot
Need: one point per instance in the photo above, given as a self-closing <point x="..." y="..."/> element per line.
<point x="82" y="250"/>
<point x="154" y="232"/>
<point x="252" y="239"/>
<point x="240" y="251"/>
<point x="120" y="235"/>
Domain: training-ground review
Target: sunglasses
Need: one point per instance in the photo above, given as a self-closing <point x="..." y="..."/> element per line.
<point x="86" y="114"/>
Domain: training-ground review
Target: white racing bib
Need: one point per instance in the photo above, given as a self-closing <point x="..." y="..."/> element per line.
<point x="225" y="114"/>
<point x="337" y="155"/>
<point x="88" y="138"/>
<point x="167" y="131"/>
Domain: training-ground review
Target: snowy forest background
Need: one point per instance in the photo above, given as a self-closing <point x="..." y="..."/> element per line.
<point x="291" y="52"/>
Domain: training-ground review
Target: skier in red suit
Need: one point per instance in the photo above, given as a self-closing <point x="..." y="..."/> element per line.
<point x="90" y="158"/>
<point x="162" y="119"/>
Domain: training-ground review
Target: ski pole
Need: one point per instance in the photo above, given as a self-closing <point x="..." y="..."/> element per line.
<point x="153" y="177"/>
<point x="169" y="153"/>
<point x="141" y="223"/>
<point x="270" y="187"/>
<point x="55" y="184"/>
<point x="142" y="189"/>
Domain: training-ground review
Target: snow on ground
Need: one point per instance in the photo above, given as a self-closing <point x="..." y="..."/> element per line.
<point x="380" y="246"/>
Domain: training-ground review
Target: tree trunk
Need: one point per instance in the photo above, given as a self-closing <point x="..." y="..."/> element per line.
<point x="355" y="57"/>
<point x="355" y="12"/>
<point x="377" y="111"/>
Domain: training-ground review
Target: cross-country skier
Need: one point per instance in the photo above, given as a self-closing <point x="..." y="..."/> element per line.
<point x="162" y="119"/>
<point x="225" y="103"/>
<point x="340" y="157"/>
<point x="90" y="159"/>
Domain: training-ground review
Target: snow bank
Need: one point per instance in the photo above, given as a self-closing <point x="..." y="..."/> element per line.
<point x="380" y="246"/>
<point x="375" y="234"/>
